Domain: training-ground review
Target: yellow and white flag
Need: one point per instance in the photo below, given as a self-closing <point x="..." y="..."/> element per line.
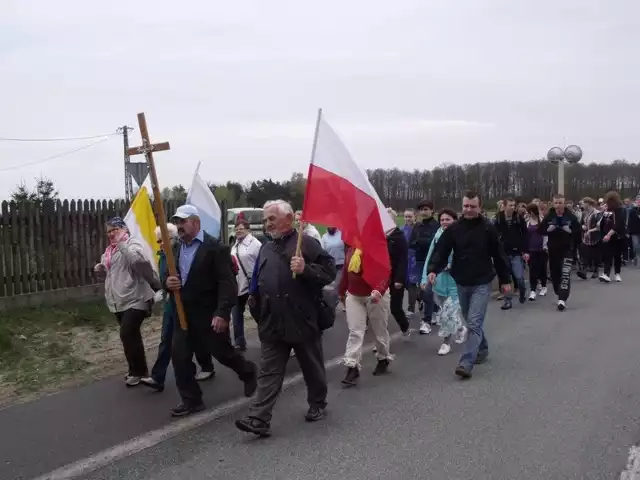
<point x="141" y="223"/>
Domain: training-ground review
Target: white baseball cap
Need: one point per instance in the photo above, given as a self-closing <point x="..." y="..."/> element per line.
<point x="186" y="211"/>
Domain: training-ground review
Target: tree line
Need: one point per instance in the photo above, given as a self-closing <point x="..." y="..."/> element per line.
<point x="444" y="185"/>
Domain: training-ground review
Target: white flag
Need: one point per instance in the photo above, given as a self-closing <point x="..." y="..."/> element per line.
<point x="201" y="197"/>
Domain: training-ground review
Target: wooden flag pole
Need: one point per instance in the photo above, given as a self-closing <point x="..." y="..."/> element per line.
<point x="147" y="150"/>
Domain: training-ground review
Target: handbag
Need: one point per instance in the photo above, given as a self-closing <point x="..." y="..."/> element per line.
<point x="325" y="299"/>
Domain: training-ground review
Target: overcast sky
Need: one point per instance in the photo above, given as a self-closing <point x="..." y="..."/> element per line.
<point x="236" y="85"/>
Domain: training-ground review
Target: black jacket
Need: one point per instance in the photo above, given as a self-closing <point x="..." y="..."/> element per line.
<point x="288" y="307"/>
<point x="476" y="251"/>
<point x="399" y="255"/>
<point x="559" y="240"/>
<point x="633" y="221"/>
<point x="422" y="236"/>
<point x="515" y="236"/>
<point x="211" y="289"/>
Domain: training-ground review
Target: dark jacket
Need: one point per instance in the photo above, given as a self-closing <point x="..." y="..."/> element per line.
<point x="559" y="240"/>
<point x="633" y="221"/>
<point x="422" y="236"/>
<point x="514" y="236"/>
<point x="476" y="251"/>
<point x="614" y="220"/>
<point x="398" y="254"/>
<point x="288" y="307"/>
<point x="211" y="289"/>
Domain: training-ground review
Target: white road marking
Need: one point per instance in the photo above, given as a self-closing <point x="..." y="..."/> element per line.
<point x="632" y="472"/>
<point x="154" y="437"/>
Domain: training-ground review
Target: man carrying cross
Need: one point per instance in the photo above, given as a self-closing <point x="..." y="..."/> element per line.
<point x="207" y="284"/>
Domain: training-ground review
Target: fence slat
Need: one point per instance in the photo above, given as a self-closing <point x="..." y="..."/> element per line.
<point x="34" y="252"/>
<point x="46" y="247"/>
<point x="5" y="252"/>
<point x="15" y="255"/>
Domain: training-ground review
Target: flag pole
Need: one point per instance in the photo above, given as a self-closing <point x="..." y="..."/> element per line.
<point x="313" y="154"/>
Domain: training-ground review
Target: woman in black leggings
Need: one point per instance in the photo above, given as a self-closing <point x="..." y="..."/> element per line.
<point x="614" y="237"/>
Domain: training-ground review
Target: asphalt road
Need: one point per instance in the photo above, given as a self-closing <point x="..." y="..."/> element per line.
<point x="46" y="434"/>
<point x="557" y="400"/>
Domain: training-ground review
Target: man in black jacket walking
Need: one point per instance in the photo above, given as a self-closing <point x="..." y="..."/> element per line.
<point x="512" y="230"/>
<point x="476" y="251"/>
<point x="420" y="241"/>
<point x="398" y="254"/>
<point x="563" y="231"/>
<point x="289" y="312"/>
<point x="208" y="288"/>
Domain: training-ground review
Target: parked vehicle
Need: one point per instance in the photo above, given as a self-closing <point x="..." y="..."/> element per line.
<point x="251" y="215"/>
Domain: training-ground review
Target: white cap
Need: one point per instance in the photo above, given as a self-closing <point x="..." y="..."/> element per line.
<point x="186" y="211"/>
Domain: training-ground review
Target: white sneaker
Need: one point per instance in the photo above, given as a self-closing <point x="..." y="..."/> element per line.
<point x="132" y="381"/>
<point x="444" y="349"/>
<point x="425" y="328"/>
<point x="532" y="295"/>
<point x="543" y="291"/>
<point x="406" y="336"/>
<point x="202" y="376"/>
<point x="561" y="305"/>
<point x="461" y="335"/>
<point x="618" y="277"/>
<point x="436" y="318"/>
<point x="604" y="278"/>
<point x="408" y="314"/>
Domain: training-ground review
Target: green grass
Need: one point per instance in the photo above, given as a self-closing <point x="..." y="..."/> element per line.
<point x="36" y="342"/>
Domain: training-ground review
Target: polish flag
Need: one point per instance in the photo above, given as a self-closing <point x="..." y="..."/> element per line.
<point x="339" y="194"/>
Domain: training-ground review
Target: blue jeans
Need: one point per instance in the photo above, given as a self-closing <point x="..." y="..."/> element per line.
<point x="237" y="315"/>
<point x="517" y="270"/>
<point x="428" y="303"/>
<point x="473" y="303"/>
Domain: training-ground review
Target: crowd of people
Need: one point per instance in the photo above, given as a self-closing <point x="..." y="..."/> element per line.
<point x="443" y="267"/>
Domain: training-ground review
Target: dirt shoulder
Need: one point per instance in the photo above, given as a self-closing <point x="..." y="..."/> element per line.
<point x="47" y="349"/>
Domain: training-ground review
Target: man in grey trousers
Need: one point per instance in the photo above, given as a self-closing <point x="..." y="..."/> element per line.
<point x="288" y="313"/>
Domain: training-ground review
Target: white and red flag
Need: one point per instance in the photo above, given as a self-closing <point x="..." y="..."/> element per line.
<point x="339" y="194"/>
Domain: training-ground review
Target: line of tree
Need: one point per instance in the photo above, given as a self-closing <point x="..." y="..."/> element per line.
<point x="444" y="185"/>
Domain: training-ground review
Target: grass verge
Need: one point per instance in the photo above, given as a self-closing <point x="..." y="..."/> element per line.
<point x="43" y="349"/>
<point x="46" y="349"/>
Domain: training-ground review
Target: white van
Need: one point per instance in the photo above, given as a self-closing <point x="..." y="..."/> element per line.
<point x="251" y="215"/>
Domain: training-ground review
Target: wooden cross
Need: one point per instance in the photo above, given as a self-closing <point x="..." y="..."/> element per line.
<point x="147" y="148"/>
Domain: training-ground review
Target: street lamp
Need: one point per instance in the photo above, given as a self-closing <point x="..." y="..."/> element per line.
<point x="557" y="156"/>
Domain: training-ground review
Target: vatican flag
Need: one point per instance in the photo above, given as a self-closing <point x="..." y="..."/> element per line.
<point x="141" y="223"/>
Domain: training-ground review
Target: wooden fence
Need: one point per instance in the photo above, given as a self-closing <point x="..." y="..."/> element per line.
<point x="56" y="245"/>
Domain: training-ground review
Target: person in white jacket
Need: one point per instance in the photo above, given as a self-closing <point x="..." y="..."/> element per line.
<point x="245" y="250"/>
<point x="129" y="284"/>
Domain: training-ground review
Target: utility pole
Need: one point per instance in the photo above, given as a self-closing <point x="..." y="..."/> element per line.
<point x="128" y="185"/>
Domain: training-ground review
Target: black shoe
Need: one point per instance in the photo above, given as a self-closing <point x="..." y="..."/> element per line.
<point x="594" y="275"/>
<point x="463" y="372"/>
<point x="183" y="410"/>
<point x="253" y="425"/>
<point x="582" y="275"/>
<point x="351" y="378"/>
<point x="314" y="414"/>
<point x="382" y="367"/>
<point x="506" y="305"/>
<point x="481" y="358"/>
<point x="241" y="348"/>
<point x="251" y="384"/>
<point x="523" y="296"/>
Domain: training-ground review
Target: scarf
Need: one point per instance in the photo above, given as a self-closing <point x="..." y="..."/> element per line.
<point x="115" y="222"/>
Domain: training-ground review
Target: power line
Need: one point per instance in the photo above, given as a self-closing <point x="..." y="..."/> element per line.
<point x="42" y="160"/>
<point x="61" y="139"/>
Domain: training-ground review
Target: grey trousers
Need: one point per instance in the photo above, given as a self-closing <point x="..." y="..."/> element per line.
<point x="273" y="364"/>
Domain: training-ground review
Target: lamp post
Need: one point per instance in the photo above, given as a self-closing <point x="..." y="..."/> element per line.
<point x="557" y="156"/>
